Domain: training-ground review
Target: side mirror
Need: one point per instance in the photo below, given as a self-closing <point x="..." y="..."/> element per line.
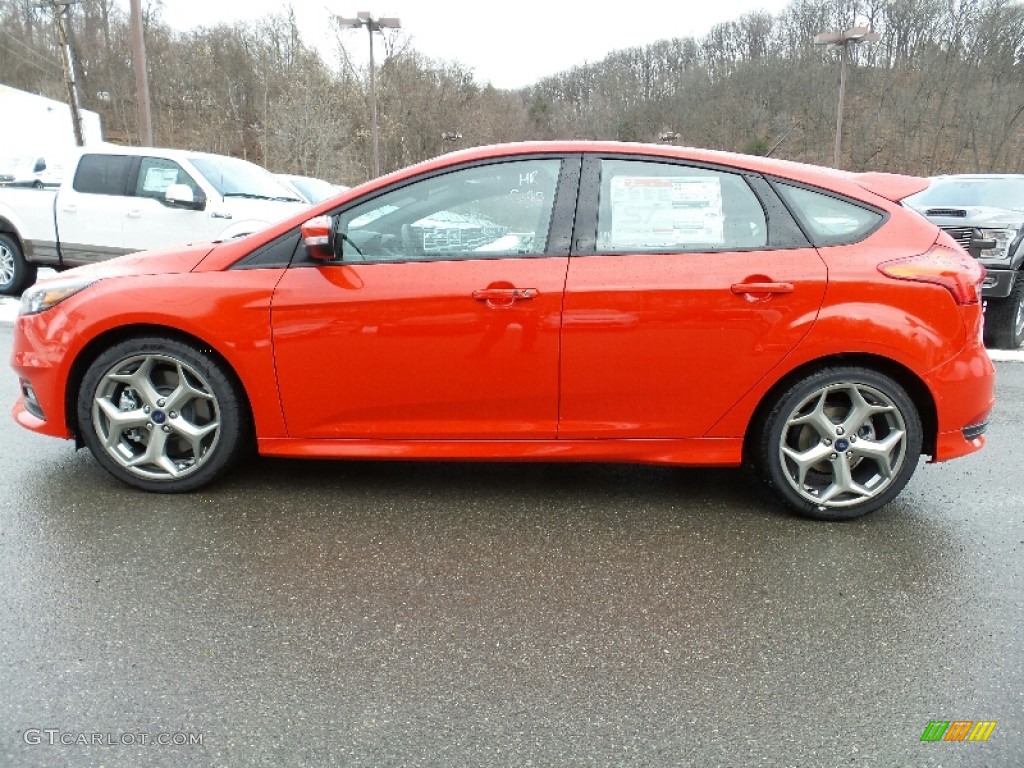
<point x="318" y="237"/>
<point x="979" y="244"/>
<point x="181" y="196"/>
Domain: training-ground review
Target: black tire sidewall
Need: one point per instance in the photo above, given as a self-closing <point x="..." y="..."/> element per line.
<point x="772" y="472"/>
<point x="24" y="273"/>
<point x="1000" y="318"/>
<point x="234" y="423"/>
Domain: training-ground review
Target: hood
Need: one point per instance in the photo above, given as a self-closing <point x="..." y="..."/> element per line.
<point x="162" y="262"/>
<point x="971" y="216"/>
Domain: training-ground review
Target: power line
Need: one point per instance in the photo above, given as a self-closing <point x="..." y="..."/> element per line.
<point x="28" y="61"/>
<point x="31" y="50"/>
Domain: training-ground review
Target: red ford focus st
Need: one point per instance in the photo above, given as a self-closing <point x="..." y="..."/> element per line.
<point x="568" y="301"/>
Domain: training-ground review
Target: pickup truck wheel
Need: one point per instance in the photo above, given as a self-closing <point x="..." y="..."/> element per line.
<point x="16" y="274"/>
<point x="1004" y="318"/>
<point x="839" y="444"/>
<point x="162" y="416"/>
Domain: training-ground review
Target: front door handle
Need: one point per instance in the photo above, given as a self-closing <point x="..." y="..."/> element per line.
<point x="762" y="288"/>
<point x="504" y="297"/>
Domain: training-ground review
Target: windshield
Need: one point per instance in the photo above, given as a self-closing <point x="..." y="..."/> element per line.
<point x="232" y="177"/>
<point x="313" y="190"/>
<point x="964" y="192"/>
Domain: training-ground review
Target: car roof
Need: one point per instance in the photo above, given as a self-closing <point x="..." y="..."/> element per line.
<point x="890" y="186"/>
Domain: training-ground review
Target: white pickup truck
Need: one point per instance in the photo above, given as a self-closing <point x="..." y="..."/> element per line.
<point x="117" y="200"/>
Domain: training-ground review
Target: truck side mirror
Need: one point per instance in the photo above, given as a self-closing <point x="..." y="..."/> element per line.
<point x="181" y="196"/>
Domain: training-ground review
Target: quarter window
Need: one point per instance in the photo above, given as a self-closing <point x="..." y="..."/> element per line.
<point x="486" y="211"/>
<point x="829" y="220"/>
<point x="660" y="207"/>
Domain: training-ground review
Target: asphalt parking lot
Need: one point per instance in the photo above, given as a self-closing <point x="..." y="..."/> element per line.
<point x="398" y="614"/>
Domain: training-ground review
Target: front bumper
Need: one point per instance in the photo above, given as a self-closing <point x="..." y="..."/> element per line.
<point x="998" y="282"/>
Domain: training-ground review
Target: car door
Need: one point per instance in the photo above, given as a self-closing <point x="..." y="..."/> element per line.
<point x="90" y="212"/>
<point x="441" y="317"/>
<point x="149" y="221"/>
<point x="685" y="287"/>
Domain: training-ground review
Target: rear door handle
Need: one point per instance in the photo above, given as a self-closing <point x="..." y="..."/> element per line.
<point x="504" y="295"/>
<point x="762" y="288"/>
<point x="135" y="213"/>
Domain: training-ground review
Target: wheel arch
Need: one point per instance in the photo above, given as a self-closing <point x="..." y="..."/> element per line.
<point x="107" y="339"/>
<point x="914" y="386"/>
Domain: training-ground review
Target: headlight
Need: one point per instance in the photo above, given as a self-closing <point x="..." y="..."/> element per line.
<point x="44" y="296"/>
<point x="1003" y="238"/>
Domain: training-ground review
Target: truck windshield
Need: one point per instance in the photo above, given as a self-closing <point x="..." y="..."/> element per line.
<point x="983" y="192"/>
<point x="232" y="177"/>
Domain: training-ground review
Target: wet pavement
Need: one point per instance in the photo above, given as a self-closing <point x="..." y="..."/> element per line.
<point x="377" y="614"/>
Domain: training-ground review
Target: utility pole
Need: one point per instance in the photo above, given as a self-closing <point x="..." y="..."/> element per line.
<point x="365" y="19"/>
<point x="145" y="116"/>
<point x="60" y="8"/>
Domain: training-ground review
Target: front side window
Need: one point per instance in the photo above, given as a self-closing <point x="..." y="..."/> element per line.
<point x="485" y="211"/>
<point x="102" y="174"/>
<point x="829" y="220"/>
<point x="661" y="207"/>
<point x="156" y="174"/>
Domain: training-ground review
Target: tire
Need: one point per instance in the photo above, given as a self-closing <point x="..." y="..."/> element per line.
<point x="839" y="444"/>
<point x="16" y="274"/>
<point x="162" y="416"/>
<point x="1004" y="318"/>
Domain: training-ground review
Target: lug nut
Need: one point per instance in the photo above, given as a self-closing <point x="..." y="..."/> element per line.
<point x="173" y="414"/>
<point x="160" y="403"/>
<point x="840" y="431"/>
<point x="149" y="426"/>
<point x="833" y="457"/>
<point x="165" y="428"/>
<point x="145" y="409"/>
<point x="827" y="441"/>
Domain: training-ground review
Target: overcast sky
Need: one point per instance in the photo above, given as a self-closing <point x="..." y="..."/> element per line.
<point x="510" y="44"/>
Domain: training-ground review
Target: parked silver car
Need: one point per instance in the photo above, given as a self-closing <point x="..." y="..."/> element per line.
<point x="985" y="214"/>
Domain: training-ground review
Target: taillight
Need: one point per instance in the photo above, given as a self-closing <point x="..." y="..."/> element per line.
<point x="953" y="269"/>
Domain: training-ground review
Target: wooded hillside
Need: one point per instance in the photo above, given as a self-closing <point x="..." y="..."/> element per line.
<point x="941" y="92"/>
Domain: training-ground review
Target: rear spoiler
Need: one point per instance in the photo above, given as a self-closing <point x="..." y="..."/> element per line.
<point x="891" y="186"/>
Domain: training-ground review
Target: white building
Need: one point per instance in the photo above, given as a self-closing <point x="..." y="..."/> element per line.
<point x="37" y="125"/>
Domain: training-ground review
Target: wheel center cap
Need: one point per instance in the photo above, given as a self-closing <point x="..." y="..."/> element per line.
<point x="158" y="417"/>
<point x="842" y="445"/>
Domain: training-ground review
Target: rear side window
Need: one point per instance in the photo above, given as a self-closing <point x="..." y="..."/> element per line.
<point x="102" y="174"/>
<point x="829" y="220"/>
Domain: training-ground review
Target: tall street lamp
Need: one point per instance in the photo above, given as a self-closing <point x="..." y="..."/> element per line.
<point x="365" y="19"/>
<point x="844" y="40"/>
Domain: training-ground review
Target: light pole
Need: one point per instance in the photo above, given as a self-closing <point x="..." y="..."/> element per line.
<point x="365" y="19"/>
<point x="844" y="40"/>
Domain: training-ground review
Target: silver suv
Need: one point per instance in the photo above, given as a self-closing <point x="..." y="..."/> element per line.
<point x="985" y="214"/>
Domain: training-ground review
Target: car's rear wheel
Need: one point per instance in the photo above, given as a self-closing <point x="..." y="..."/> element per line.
<point x="839" y="444"/>
<point x="1004" y="318"/>
<point x="162" y="416"/>
<point x="16" y="274"/>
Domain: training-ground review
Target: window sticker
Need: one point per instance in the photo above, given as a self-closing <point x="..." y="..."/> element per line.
<point x="159" y="179"/>
<point x="659" y="211"/>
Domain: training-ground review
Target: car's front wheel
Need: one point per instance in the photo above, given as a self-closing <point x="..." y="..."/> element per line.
<point x="16" y="274"/>
<point x="1004" y="318"/>
<point x="839" y="444"/>
<point x="161" y="415"/>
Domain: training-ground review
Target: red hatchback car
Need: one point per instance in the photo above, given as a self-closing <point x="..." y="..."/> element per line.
<point x="565" y="301"/>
